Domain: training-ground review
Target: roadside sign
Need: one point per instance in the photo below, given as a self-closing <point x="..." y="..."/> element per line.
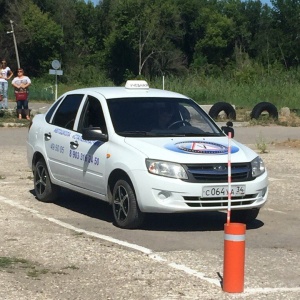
<point x="55" y="72"/>
<point x="55" y="65"/>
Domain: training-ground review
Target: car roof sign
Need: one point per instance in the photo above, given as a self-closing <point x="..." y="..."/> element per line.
<point x="136" y="84"/>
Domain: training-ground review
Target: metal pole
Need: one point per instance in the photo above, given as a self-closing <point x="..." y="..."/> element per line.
<point x="55" y="85"/>
<point x="15" y="42"/>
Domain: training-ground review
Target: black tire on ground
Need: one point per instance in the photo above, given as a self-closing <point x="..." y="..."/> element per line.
<point x="45" y="190"/>
<point x="125" y="207"/>
<point x="222" y="106"/>
<point x="244" y="216"/>
<point x="264" y="106"/>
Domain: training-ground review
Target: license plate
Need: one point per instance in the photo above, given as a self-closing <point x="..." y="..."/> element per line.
<point x="222" y="191"/>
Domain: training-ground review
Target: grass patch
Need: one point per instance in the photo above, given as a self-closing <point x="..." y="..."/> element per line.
<point x="263" y="121"/>
<point x="282" y="90"/>
<point x="279" y="88"/>
<point x="35" y="273"/>
<point x="261" y="144"/>
<point x="9" y="118"/>
<point x="71" y="267"/>
<point x="6" y="262"/>
<point x="293" y="120"/>
<point x="32" y="269"/>
<point x="78" y="233"/>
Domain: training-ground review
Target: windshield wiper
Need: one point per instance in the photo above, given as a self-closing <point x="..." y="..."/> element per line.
<point x="161" y="134"/>
<point x="135" y="133"/>
<point x="201" y="134"/>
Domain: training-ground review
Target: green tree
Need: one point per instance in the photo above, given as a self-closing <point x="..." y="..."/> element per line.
<point x="128" y="38"/>
<point x="189" y="13"/>
<point x="39" y="37"/>
<point x="6" y="40"/>
<point x="217" y="33"/>
<point x="263" y="45"/>
<point x="286" y="22"/>
<point x="143" y="38"/>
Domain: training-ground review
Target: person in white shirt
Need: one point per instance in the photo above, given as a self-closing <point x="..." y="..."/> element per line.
<point x="5" y="75"/>
<point x="21" y="84"/>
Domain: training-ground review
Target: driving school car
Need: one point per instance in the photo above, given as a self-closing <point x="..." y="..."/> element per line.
<point x="142" y="150"/>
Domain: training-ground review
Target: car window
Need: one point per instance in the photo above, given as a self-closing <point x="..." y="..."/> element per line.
<point x="92" y="115"/>
<point x="51" y="110"/>
<point x="67" y="111"/>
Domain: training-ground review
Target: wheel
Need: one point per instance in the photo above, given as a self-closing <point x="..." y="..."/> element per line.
<point x="264" y="106"/>
<point x="125" y="207"/>
<point x="222" y="106"/>
<point x="45" y="191"/>
<point x="244" y="215"/>
<point x="183" y="122"/>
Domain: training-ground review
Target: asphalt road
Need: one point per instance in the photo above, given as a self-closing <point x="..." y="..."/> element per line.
<point x="267" y="134"/>
<point x="196" y="241"/>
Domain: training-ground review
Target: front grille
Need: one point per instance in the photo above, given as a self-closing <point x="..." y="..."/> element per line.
<point x="218" y="173"/>
<point x="220" y="202"/>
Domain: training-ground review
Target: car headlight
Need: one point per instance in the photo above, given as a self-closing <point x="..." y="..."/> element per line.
<point x="165" y="168"/>
<point x="258" y="166"/>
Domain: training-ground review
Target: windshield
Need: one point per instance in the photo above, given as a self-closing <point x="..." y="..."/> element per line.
<point x="160" y="117"/>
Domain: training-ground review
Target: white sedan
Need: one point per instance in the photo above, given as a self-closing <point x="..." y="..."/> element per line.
<point x="143" y="150"/>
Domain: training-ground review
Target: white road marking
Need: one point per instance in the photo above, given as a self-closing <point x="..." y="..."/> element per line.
<point x="275" y="179"/>
<point x="285" y="177"/>
<point x="271" y="290"/>
<point x="146" y="251"/>
<point x="274" y="210"/>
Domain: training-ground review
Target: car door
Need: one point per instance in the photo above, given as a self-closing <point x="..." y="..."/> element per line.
<point x="87" y="158"/>
<point x="57" y="136"/>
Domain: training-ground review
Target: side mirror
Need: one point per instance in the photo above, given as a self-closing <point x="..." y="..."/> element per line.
<point x="94" y="134"/>
<point x="228" y="128"/>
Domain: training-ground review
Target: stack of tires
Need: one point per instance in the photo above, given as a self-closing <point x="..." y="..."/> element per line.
<point x="257" y="111"/>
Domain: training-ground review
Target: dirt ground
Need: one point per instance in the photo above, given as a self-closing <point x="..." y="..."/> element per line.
<point x="289" y="143"/>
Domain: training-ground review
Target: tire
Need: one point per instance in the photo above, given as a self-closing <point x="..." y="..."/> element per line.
<point x="222" y="106"/>
<point x="245" y="215"/>
<point x="264" y="106"/>
<point x="45" y="190"/>
<point x="126" y="212"/>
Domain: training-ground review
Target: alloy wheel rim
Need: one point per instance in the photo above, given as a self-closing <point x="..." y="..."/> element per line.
<point x="41" y="180"/>
<point x="121" y="203"/>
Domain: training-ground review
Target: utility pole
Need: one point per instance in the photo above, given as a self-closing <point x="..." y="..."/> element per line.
<point x="15" y="42"/>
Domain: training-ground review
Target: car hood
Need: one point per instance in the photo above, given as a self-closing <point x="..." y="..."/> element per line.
<point x="192" y="150"/>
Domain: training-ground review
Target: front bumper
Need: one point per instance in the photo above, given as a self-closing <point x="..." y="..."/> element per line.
<point x="159" y="194"/>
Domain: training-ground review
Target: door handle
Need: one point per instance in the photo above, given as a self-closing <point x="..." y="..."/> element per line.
<point x="47" y="136"/>
<point x="74" y="145"/>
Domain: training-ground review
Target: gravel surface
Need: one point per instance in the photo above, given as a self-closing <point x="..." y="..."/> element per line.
<point x="58" y="263"/>
<point x="42" y="260"/>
